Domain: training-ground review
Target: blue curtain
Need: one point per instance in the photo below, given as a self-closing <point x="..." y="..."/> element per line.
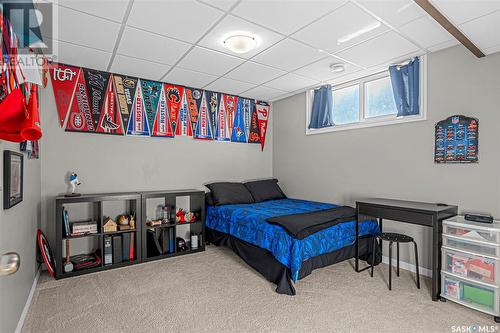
<point x="405" y="82"/>
<point x="322" y="108"/>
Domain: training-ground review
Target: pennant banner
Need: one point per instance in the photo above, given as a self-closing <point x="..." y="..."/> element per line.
<point x="138" y="123"/>
<point x="100" y="102"/>
<point x="262" y="116"/>
<point x="63" y="80"/>
<point x="162" y="126"/>
<point x="203" y="126"/>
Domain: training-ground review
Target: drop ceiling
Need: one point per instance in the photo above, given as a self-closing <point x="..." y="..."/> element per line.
<point x="179" y="41"/>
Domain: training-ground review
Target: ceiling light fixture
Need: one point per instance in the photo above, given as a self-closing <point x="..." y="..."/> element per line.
<point x="240" y="42"/>
<point x="337" y="68"/>
<point x="362" y="31"/>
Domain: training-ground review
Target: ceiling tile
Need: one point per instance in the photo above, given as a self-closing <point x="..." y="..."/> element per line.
<point x="443" y="46"/>
<point x="189" y="78"/>
<point x="320" y="70"/>
<point x="229" y="86"/>
<point x="109" y="9"/>
<point x="153" y="47"/>
<point x="209" y="61"/>
<point x="466" y="10"/>
<point x="186" y="20"/>
<point x="292" y="14"/>
<point x="86" y="30"/>
<point x="492" y="50"/>
<point x="394" y="12"/>
<point x="231" y="24"/>
<point x="291" y="82"/>
<point x="137" y="67"/>
<point x="254" y="73"/>
<point x="483" y="31"/>
<point x="263" y="93"/>
<point x="426" y="32"/>
<point x="221" y="4"/>
<point x="379" y="50"/>
<point x="76" y="55"/>
<point x="348" y="19"/>
<point x="289" y="55"/>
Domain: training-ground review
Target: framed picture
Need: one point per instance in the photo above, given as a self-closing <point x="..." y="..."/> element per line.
<point x="12" y="178"/>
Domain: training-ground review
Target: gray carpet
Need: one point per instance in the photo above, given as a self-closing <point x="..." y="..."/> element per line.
<point x="215" y="291"/>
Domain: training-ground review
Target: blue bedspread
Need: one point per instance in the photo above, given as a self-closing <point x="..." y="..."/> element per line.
<point x="248" y="222"/>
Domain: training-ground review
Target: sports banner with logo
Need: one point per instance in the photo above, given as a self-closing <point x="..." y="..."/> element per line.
<point x="138" y="123"/>
<point x="97" y="83"/>
<point x="194" y="101"/>
<point x="110" y="121"/>
<point x="203" y="127"/>
<point x="183" y="127"/>
<point x="230" y="103"/>
<point x="247" y="106"/>
<point x="213" y="107"/>
<point x="63" y="80"/>
<point x="262" y="116"/>
<point x="254" y="133"/>
<point x="238" y="134"/>
<point x="125" y="88"/>
<point x="221" y="127"/>
<point x="174" y="96"/>
<point x="80" y="115"/>
<point x="162" y="126"/>
<point x="151" y="95"/>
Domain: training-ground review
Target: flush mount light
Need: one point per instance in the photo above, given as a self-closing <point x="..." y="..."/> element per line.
<point x="337" y="68"/>
<point x="362" y="31"/>
<point x="240" y="42"/>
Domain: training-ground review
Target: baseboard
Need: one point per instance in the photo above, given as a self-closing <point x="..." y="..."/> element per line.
<point x="407" y="266"/>
<point x="20" y="324"/>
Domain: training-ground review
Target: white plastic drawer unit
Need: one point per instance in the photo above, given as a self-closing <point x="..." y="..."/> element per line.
<point x="481" y="269"/>
<point x="479" y="238"/>
<point x="477" y="296"/>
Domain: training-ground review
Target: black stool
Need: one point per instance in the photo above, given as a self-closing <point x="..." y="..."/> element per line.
<point x="392" y="237"/>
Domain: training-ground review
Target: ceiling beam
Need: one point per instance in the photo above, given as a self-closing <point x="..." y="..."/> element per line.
<point x="450" y="27"/>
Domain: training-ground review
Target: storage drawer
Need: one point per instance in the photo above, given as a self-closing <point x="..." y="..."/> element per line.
<point x="480" y="233"/>
<point x="477" y="247"/>
<point x="470" y="266"/>
<point x="477" y="296"/>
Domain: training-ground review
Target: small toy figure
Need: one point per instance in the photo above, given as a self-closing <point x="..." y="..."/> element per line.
<point x="73" y="181"/>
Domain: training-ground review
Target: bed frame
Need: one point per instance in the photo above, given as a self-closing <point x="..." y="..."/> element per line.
<point x="266" y="264"/>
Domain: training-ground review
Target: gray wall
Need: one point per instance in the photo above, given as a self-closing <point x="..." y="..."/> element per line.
<point x="110" y="163"/>
<point x="396" y="161"/>
<point x="18" y="227"/>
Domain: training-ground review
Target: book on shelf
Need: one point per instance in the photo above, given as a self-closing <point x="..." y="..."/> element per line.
<point x="67" y="228"/>
<point x="108" y="250"/>
<point x="82" y="228"/>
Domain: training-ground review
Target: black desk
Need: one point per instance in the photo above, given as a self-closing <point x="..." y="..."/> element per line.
<point x="420" y="213"/>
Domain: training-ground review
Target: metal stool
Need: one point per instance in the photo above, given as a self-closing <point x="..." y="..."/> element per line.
<point x="392" y="237"/>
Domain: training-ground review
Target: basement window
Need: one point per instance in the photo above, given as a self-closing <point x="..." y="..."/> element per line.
<point x="367" y="102"/>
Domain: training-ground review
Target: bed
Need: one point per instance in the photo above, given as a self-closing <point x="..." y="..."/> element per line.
<point x="272" y="251"/>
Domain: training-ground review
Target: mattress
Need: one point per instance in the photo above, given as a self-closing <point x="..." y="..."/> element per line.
<point x="248" y="222"/>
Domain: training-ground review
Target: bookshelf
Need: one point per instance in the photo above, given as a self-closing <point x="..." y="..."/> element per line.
<point x="191" y="200"/>
<point x="96" y="207"/>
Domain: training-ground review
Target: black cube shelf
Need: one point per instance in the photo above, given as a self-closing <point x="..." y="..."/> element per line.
<point x="135" y="203"/>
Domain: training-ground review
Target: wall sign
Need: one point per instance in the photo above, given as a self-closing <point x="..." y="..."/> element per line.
<point x="93" y="101"/>
<point x="456" y="140"/>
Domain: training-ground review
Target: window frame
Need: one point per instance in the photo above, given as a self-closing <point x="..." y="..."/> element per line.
<point x="377" y="120"/>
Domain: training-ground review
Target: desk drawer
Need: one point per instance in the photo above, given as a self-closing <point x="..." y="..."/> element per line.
<point x="396" y="215"/>
<point x="472" y="233"/>
<point x="477" y="247"/>
<point x="470" y="266"/>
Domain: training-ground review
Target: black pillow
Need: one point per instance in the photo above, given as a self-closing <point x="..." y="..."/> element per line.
<point x="267" y="189"/>
<point x="208" y="199"/>
<point x="225" y="193"/>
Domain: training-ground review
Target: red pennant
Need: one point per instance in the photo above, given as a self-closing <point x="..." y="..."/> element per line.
<point x="110" y="120"/>
<point x="262" y="116"/>
<point x="80" y="117"/>
<point x="64" y="80"/>
<point x="230" y="103"/>
<point x="174" y="99"/>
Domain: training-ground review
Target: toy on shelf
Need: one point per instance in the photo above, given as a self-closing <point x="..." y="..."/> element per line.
<point x="73" y="182"/>
<point x="110" y="225"/>
<point x="183" y="216"/>
<point x="123" y="222"/>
